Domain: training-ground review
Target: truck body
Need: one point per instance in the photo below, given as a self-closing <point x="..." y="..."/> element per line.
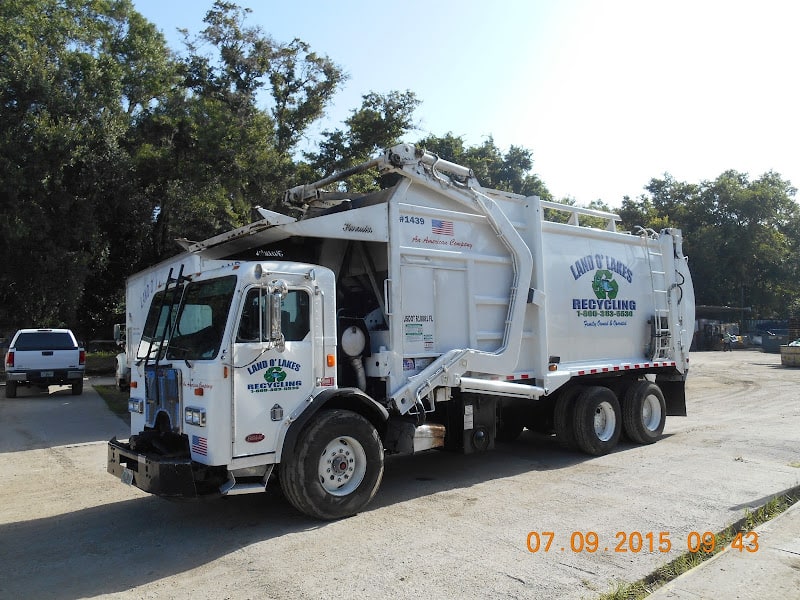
<point x="434" y="313"/>
<point x="44" y="357"/>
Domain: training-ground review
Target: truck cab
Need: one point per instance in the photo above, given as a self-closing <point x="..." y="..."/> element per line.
<point x="227" y="363"/>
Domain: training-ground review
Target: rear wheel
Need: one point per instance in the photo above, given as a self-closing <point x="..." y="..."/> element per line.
<point x="77" y="388"/>
<point x="598" y="421"/>
<point x="564" y="418"/>
<point x="336" y="466"/>
<point x="644" y="412"/>
<point x="11" y="389"/>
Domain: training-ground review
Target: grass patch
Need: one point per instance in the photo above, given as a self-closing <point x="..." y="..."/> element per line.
<point x="689" y="560"/>
<point x="116" y="400"/>
<point x="101" y="363"/>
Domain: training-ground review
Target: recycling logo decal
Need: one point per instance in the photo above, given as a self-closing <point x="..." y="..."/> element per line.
<point x="279" y="375"/>
<point x="274" y="375"/>
<point x="604" y="286"/>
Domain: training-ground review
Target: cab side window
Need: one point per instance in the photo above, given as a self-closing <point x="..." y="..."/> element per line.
<point x="295" y="321"/>
<point x="254" y="322"/>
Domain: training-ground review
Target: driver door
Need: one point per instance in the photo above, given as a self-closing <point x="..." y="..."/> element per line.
<point x="268" y="383"/>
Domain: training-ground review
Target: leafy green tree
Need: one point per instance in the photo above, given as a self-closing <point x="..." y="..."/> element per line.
<point x="73" y="73"/>
<point x="510" y="172"/>
<point x="208" y="154"/>
<point x="742" y="237"/>
<point x="380" y="122"/>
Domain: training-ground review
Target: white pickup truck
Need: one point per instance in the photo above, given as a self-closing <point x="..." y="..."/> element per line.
<point x="44" y="357"/>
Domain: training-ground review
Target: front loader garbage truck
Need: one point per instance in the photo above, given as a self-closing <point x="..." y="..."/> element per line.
<point x="433" y="313"/>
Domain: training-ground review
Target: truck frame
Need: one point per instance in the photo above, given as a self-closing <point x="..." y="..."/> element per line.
<point x="432" y="313"/>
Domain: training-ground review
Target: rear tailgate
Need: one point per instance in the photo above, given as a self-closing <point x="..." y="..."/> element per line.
<point x="45" y="350"/>
<point x="38" y="360"/>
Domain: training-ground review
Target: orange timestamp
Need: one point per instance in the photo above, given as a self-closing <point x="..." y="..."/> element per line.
<point x="636" y="541"/>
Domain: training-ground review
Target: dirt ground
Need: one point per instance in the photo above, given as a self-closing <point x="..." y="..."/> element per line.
<point x="442" y="526"/>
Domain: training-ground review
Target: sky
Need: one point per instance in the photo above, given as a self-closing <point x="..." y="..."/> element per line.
<point x="606" y="94"/>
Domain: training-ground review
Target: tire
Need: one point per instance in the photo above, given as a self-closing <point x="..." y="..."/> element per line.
<point x="77" y="388"/>
<point x="510" y="425"/>
<point x="564" y="418"/>
<point x="11" y="389"/>
<point x="317" y="479"/>
<point x="644" y="412"/>
<point x="598" y="420"/>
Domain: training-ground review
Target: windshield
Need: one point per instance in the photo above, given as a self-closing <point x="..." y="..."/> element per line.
<point x="163" y="308"/>
<point x="44" y="340"/>
<point x="201" y="318"/>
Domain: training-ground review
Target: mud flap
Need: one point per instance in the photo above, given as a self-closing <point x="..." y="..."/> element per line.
<point x="674" y="396"/>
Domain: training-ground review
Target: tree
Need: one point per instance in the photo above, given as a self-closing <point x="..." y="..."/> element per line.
<point x="208" y="154"/>
<point x="72" y="76"/>
<point x="380" y="122"/>
<point x="742" y="237"/>
<point x="510" y="172"/>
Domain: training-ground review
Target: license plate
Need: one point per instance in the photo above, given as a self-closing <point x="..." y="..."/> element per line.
<point x="127" y="477"/>
<point x="47" y="373"/>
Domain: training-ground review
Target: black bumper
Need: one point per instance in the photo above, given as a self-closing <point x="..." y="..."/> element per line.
<point x="168" y="477"/>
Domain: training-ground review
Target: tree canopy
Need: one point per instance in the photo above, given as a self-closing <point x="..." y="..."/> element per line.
<point x="112" y="145"/>
<point x="742" y="237"/>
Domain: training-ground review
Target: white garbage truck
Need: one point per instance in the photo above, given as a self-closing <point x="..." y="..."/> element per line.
<point x="431" y="314"/>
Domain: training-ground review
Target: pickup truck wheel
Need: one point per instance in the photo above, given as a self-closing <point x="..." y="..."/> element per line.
<point x="336" y="466"/>
<point x="598" y="420"/>
<point x="564" y="418"/>
<point x="77" y="388"/>
<point x="11" y="389"/>
<point x="644" y="412"/>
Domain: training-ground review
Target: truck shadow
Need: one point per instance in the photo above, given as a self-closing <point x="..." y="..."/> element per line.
<point x="37" y="391"/>
<point x="119" y="546"/>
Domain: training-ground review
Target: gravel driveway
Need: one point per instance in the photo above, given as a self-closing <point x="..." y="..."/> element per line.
<point x="442" y="526"/>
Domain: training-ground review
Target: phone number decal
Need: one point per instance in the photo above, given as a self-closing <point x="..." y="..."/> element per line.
<point x="636" y="541"/>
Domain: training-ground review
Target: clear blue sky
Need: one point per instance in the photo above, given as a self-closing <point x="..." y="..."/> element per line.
<point x="606" y="94"/>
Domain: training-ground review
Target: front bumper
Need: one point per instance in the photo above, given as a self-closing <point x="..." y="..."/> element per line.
<point x="169" y="477"/>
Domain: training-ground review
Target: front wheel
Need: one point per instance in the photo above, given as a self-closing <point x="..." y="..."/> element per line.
<point x="335" y="467"/>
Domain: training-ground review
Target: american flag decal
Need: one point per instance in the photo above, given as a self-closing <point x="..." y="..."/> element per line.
<point x="440" y="227"/>
<point x="199" y="445"/>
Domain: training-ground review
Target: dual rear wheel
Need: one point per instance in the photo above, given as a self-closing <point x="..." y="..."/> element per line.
<point x="592" y="418"/>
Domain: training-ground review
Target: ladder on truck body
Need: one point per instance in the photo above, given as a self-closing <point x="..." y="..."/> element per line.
<point x="661" y="327"/>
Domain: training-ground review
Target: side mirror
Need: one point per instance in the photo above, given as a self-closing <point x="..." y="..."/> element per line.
<point x="119" y="333"/>
<point x="277" y="292"/>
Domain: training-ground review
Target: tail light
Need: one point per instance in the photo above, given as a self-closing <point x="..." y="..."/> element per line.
<point x="82" y="357"/>
<point x="10" y="358"/>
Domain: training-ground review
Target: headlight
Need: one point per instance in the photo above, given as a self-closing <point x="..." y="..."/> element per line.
<point x="195" y="416"/>
<point x="136" y="406"/>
